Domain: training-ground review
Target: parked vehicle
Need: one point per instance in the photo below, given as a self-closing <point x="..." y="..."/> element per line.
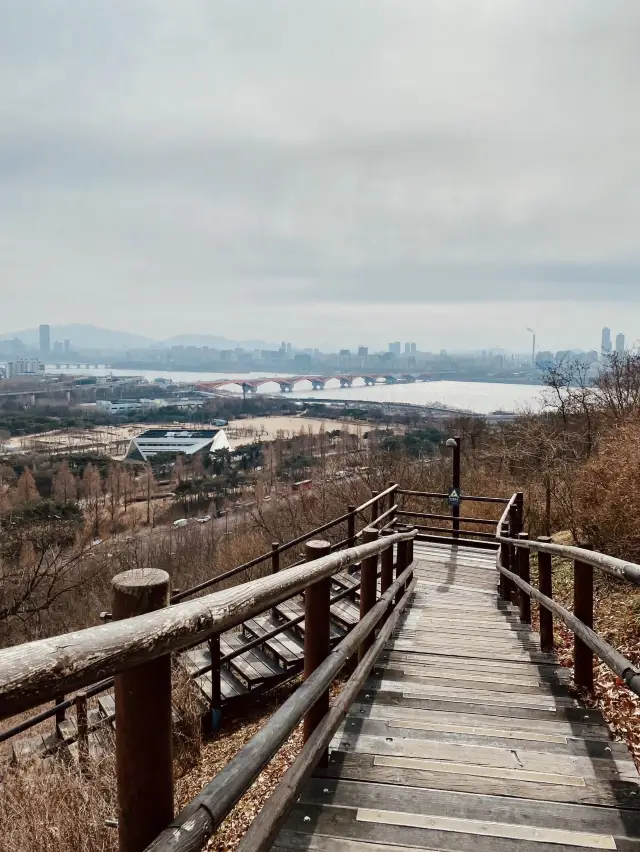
<point x="181" y="522"/>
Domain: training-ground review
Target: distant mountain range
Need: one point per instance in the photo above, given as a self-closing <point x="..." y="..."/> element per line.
<point x="95" y="338"/>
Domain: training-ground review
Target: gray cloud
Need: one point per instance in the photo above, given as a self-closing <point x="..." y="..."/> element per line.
<point x="301" y="155"/>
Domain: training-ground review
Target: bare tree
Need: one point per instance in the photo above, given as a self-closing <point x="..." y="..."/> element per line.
<point x="619" y="385"/>
<point x="113" y="491"/>
<point x="26" y="489"/>
<point x="65" y="488"/>
<point x="92" y="490"/>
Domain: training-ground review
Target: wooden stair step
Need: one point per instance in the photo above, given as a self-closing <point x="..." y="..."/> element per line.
<point x="286" y="647"/>
<point x="254" y="666"/>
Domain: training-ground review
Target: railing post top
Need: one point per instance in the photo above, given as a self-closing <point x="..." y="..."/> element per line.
<point x="545" y="539"/>
<point x="369" y="534"/>
<point x="387" y="531"/>
<point x="351" y="509"/>
<point x="316" y="548"/>
<point x="523" y="535"/>
<point x="140" y="590"/>
<point x="275" y="545"/>
<point x="374" y="493"/>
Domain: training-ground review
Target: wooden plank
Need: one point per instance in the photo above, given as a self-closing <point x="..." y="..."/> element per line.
<point x="570" y="714"/>
<point x="331" y="822"/>
<point x="487" y="684"/>
<point x="586" y="818"/>
<point x="391" y="712"/>
<point x="488" y="780"/>
<point x="490" y="829"/>
<point x="540" y="741"/>
<point x="537" y="761"/>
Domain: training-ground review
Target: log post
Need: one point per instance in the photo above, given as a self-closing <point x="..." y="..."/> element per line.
<point x="316" y="635"/>
<point x="392" y="517"/>
<point x="351" y="526"/>
<point x="375" y="507"/>
<point x="524" y="572"/>
<point x="583" y="609"/>
<point x="505" y="584"/>
<point x="402" y="561"/>
<point x="143" y="721"/>
<point x="82" y="724"/>
<point x="410" y="556"/>
<point x="215" y="704"/>
<point x="545" y="585"/>
<point x="368" y="588"/>
<point x="351" y="533"/>
<point x="275" y="567"/>
<point x="386" y="569"/>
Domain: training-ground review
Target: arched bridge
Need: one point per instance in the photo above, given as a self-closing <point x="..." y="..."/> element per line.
<point x="319" y="382"/>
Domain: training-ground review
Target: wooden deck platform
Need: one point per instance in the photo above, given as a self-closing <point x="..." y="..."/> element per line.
<point x="466" y="738"/>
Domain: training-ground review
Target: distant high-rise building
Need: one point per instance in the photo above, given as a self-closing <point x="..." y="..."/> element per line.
<point x="620" y="343"/>
<point x="67" y="346"/>
<point x="57" y="348"/>
<point x="407" y="348"/>
<point x="605" y="346"/>
<point x="363" y="351"/>
<point x="394" y="348"/>
<point x="414" y="348"/>
<point x="45" y="339"/>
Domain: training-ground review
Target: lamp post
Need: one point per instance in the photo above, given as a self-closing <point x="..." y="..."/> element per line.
<point x="454" y="444"/>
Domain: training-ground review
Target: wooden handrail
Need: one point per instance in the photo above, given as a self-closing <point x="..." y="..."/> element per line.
<point x="607" y="653"/>
<point x="390" y="490"/>
<point x="618" y="568"/>
<point x="440" y="496"/>
<point x="195" y="824"/>
<point x="436" y="517"/>
<point x="212" y="581"/>
<point x="38" y="671"/>
<point x="504" y="517"/>
<point x="448" y="531"/>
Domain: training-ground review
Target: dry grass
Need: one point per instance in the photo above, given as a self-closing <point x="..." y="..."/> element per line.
<point x="53" y="808"/>
<point x="58" y="810"/>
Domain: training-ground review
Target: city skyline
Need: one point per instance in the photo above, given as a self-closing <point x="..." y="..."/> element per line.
<point x="48" y="346"/>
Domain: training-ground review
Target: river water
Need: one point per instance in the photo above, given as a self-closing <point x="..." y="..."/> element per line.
<point x="481" y="397"/>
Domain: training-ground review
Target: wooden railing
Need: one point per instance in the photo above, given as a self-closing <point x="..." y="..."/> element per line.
<point x="513" y="563"/>
<point x="137" y="651"/>
<point x="455" y="530"/>
<point x="378" y="516"/>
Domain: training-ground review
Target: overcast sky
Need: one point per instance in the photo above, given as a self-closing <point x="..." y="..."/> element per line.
<point x="324" y="171"/>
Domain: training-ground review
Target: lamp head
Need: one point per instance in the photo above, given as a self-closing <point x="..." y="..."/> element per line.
<point x="451" y="442"/>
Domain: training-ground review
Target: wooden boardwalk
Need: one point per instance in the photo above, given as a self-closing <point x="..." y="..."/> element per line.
<point x="466" y="738"/>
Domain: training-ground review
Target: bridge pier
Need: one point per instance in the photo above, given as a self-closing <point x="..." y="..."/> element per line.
<point x="346" y="383"/>
<point x="285" y="387"/>
<point x="318" y="384"/>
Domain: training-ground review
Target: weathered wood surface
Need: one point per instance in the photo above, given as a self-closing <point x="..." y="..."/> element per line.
<point x="36" y="672"/>
<point x="465" y="737"/>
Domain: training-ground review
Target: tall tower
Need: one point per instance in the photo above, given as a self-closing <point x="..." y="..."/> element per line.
<point x="45" y="339"/>
<point x="605" y="347"/>
<point x="620" y="343"/>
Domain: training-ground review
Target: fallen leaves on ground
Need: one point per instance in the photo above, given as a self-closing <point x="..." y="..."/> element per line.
<point x="216" y="753"/>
